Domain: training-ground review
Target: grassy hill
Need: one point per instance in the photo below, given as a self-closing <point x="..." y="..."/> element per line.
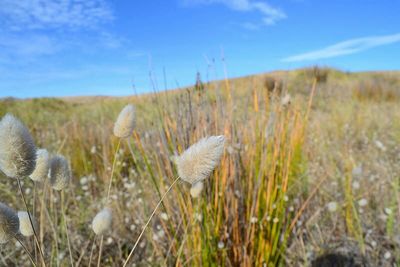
<point x="311" y="167"/>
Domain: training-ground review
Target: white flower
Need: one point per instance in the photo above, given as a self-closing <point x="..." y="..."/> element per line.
<point x="199" y="160"/>
<point x="356" y="185"/>
<point x="164" y="216"/>
<point x="362" y="202"/>
<point x="102" y="221"/>
<point x="332" y="206"/>
<point x="388" y="211"/>
<point x="380" y="145"/>
<point x="84" y="180"/>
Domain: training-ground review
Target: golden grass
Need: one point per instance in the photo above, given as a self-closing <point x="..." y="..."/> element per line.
<point x="264" y="204"/>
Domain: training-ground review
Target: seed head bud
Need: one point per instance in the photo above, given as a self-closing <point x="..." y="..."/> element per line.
<point x="60" y="172"/>
<point x="125" y="123"/>
<point x="42" y="166"/>
<point x="9" y="223"/>
<point x="17" y="148"/>
<point x="102" y="221"/>
<point x="199" y="160"/>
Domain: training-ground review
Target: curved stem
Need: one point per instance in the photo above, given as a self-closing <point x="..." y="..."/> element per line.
<point x="108" y="196"/>
<point x="148" y="221"/>
<point x="31" y="222"/>
<point x="26" y="250"/>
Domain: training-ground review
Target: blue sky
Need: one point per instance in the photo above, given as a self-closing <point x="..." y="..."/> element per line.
<point x="109" y="47"/>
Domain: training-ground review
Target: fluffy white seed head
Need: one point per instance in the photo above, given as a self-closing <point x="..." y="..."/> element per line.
<point x="196" y="189"/>
<point x="199" y="160"/>
<point x="17" y="148"/>
<point x="125" y="123"/>
<point x="9" y="223"/>
<point x="42" y="165"/>
<point x="25" y="227"/>
<point x="102" y="221"/>
<point x="60" y="172"/>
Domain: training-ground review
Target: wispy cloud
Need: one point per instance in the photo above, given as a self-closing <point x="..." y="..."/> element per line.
<point x="49" y="14"/>
<point x="270" y="15"/>
<point x="24" y="49"/>
<point x="30" y="45"/>
<point x="347" y="47"/>
<point x="31" y="29"/>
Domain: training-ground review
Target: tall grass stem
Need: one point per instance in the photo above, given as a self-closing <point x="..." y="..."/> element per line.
<point x="148" y="221"/>
<point x="31" y="221"/>
<point x="27" y="251"/>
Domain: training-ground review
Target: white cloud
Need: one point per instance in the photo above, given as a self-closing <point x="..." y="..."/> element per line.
<point x="346" y="48"/>
<point x="29" y="45"/>
<point x="270" y="14"/>
<point x="49" y="14"/>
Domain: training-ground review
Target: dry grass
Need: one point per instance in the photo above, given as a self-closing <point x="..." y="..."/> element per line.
<point x="266" y="203"/>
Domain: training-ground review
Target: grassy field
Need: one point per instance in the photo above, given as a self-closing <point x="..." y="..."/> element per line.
<point x="316" y="175"/>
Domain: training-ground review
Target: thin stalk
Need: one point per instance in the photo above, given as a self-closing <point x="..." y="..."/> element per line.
<point x="66" y="228"/>
<point x="113" y="168"/>
<point x="34" y="211"/>
<point x="148" y="221"/>
<point x="26" y="250"/>
<point x="91" y="251"/>
<point x="31" y="222"/>
<point x="108" y="193"/>
<point x="101" y="249"/>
